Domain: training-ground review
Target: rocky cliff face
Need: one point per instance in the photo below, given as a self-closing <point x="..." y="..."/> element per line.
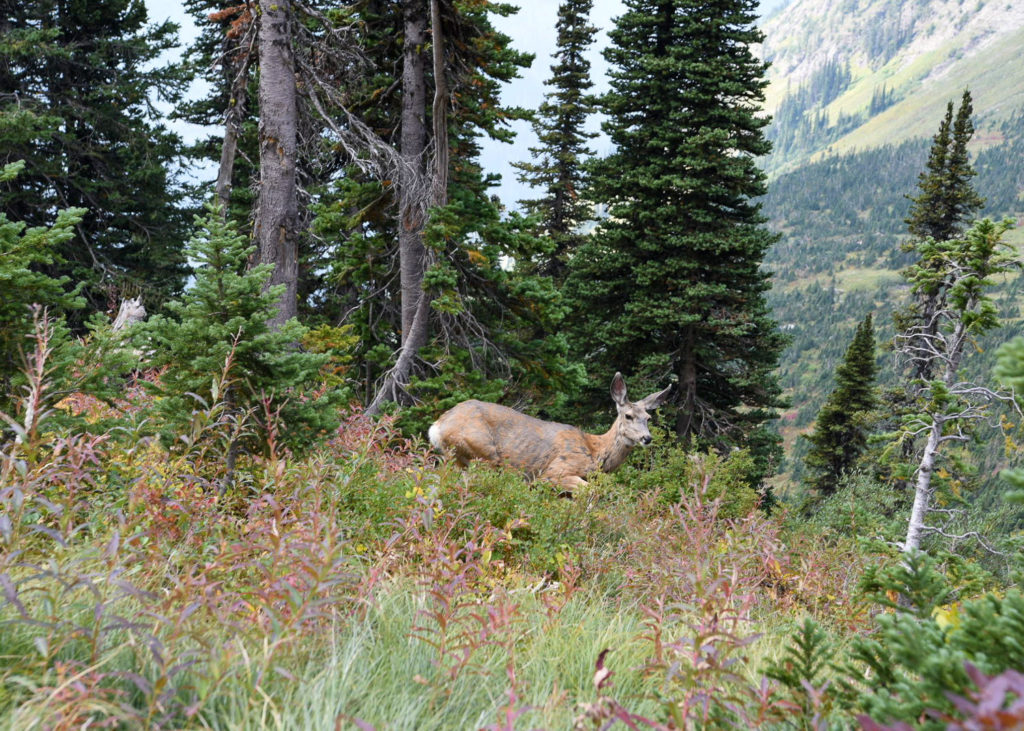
<point x="875" y="33"/>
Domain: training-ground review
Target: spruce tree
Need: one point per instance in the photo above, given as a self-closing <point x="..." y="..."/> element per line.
<point x="83" y="77"/>
<point x="939" y="213"/>
<point x="23" y="252"/>
<point x="493" y="321"/>
<point x="559" y="126"/>
<point x="223" y="319"/>
<point x="672" y="281"/>
<point x="840" y="431"/>
<point x="947" y="200"/>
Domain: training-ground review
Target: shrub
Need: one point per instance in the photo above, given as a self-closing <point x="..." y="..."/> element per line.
<point x="671" y="471"/>
<point x="917" y="662"/>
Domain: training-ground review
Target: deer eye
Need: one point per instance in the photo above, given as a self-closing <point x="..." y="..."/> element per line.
<point x="629" y="417"/>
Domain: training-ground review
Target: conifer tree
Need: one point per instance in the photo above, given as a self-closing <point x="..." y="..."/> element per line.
<point x="939" y="213"/>
<point x="559" y="126"/>
<point x="223" y="318"/>
<point x="22" y="253"/>
<point x="672" y="281"/>
<point x="1010" y="372"/>
<point x="82" y="78"/>
<point x="492" y="320"/>
<point x="947" y="201"/>
<point x="224" y="54"/>
<point x="945" y="406"/>
<point x="840" y="432"/>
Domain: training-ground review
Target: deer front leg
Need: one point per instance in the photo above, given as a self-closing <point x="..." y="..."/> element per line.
<point x="569" y="483"/>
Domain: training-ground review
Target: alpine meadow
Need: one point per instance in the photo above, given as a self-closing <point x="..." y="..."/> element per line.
<point x="310" y="419"/>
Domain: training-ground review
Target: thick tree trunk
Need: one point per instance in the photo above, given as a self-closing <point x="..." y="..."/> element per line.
<point x="413" y="142"/>
<point x="416" y="189"/>
<point x="277" y="216"/>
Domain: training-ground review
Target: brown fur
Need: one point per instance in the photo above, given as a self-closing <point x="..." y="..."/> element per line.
<point x="546" y="450"/>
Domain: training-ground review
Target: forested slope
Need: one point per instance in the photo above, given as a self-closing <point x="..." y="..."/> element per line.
<point x="841" y="222"/>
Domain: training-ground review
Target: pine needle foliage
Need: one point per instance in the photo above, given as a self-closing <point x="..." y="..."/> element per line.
<point x="1010" y="372"/>
<point x="675" y="271"/>
<point x="558" y="167"/>
<point x="947" y="198"/>
<point x="805" y="669"/>
<point x="223" y="319"/>
<point x="23" y="253"/>
<point x="919" y="660"/>
<point x="80" y="81"/>
<point x="840" y="432"/>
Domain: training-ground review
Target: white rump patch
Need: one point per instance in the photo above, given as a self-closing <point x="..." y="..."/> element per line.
<point x="434" y="434"/>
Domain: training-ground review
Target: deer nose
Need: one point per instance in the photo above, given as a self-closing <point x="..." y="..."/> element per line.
<point x="647" y="439"/>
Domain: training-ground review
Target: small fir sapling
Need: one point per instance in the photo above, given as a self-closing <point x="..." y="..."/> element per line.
<point x="225" y="317"/>
<point x="840" y="431"/>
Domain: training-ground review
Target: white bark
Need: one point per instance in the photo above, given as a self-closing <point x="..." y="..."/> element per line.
<point x="923" y="490"/>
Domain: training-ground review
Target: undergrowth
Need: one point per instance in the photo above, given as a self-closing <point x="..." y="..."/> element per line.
<point x="367" y="583"/>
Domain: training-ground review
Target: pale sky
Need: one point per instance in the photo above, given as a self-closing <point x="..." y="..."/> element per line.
<point x="532" y="30"/>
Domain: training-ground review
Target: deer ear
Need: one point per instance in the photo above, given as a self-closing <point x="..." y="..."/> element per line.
<point x="619" y="390"/>
<point x="657" y="399"/>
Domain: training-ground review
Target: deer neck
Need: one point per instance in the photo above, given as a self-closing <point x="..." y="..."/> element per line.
<point x="608" y="449"/>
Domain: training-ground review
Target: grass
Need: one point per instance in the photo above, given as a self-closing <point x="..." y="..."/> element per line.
<point x="376" y="672"/>
<point x="310" y="604"/>
<point x="365" y="584"/>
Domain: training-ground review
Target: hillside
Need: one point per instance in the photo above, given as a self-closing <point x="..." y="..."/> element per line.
<point x="858" y="90"/>
<point x="855" y="74"/>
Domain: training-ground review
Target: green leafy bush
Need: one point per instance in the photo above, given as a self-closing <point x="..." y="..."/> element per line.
<point x="671" y="470"/>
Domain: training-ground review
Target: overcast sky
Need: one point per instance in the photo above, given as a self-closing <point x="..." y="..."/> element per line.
<point x="532" y="30"/>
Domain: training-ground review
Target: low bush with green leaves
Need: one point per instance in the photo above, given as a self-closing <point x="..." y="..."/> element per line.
<point x="370" y="582"/>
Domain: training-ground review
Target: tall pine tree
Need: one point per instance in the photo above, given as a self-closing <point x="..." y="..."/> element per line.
<point x="82" y="79"/>
<point x="940" y="212"/>
<point x="491" y="318"/>
<point x="558" y="168"/>
<point x="672" y="282"/>
<point x="840" y="432"/>
<point x="947" y="200"/>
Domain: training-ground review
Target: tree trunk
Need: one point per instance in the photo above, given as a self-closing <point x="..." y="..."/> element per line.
<point x="686" y="415"/>
<point x="417" y="189"/>
<point x="277" y="215"/>
<point x="413" y="140"/>
<point x="232" y="123"/>
<point x="439" y="107"/>
<point x="923" y="490"/>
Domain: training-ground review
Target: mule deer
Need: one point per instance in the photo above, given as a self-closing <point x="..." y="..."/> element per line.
<point x="541" y="449"/>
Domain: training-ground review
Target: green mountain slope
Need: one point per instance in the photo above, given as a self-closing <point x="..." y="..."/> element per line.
<point x="858" y="88"/>
<point x="854" y="74"/>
